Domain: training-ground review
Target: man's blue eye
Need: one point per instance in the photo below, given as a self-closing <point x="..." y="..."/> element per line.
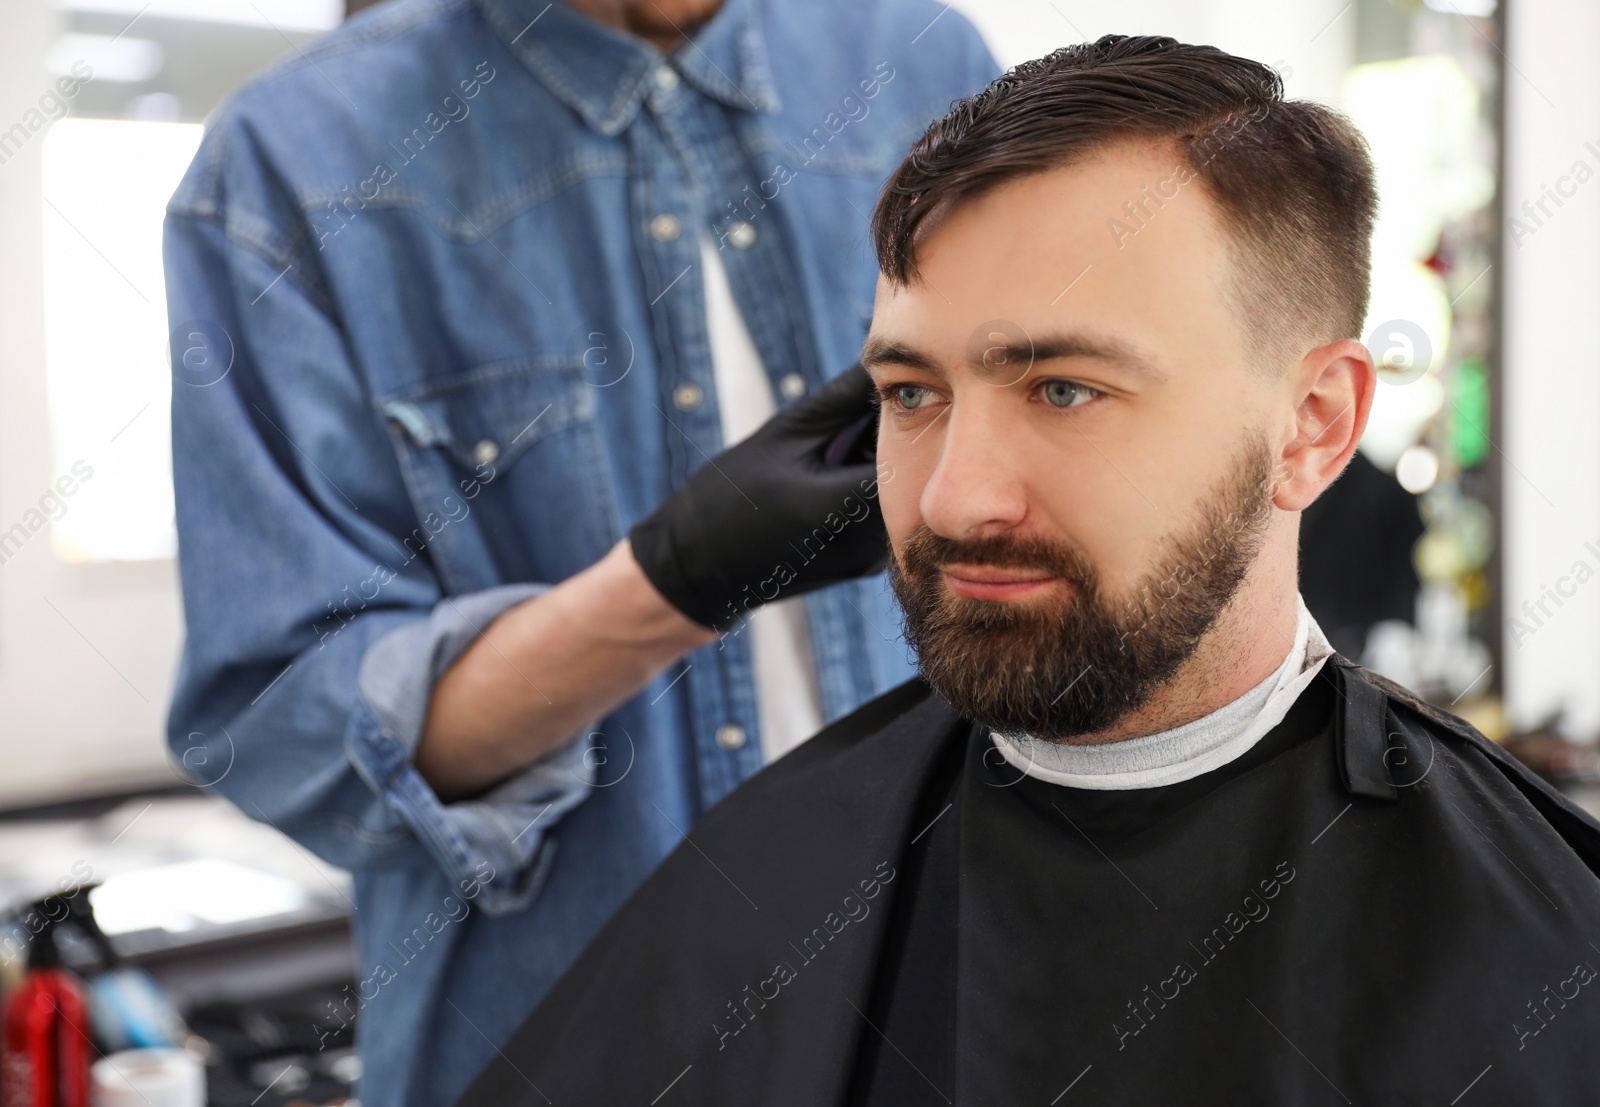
<point x="908" y="395"/>
<point x="1065" y="393"/>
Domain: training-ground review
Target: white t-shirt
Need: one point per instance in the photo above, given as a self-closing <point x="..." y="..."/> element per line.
<point x="1186" y="751"/>
<point x="787" y="697"/>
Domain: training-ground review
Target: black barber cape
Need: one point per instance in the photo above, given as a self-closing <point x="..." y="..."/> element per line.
<point x="1373" y="905"/>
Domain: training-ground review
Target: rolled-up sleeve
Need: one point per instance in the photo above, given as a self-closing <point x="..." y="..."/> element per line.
<point x="313" y="633"/>
<point x="498" y="828"/>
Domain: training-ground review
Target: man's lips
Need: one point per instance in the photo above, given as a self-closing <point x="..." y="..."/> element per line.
<point x="989" y="582"/>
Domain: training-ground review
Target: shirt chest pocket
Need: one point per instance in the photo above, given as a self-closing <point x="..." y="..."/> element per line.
<point x="507" y="472"/>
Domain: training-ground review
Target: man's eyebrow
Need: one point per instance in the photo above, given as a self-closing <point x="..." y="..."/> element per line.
<point x="1113" y="351"/>
<point x="878" y="350"/>
<point x="1007" y="350"/>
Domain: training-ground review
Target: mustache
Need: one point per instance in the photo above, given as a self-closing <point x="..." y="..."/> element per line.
<point x="925" y="551"/>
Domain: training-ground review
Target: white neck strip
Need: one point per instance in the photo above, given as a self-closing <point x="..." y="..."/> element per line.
<point x="1186" y="751"/>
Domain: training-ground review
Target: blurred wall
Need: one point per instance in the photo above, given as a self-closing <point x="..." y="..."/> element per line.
<point x="87" y="651"/>
<point x="1550" y="430"/>
<point x="1311" y="43"/>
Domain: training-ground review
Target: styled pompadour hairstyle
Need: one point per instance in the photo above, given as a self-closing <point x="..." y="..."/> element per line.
<point x="1292" y="179"/>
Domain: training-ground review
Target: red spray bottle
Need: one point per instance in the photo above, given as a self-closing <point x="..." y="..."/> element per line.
<point x="46" y="1049"/>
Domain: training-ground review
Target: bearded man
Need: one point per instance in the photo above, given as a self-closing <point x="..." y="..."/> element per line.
<point x="1136" y="834"/>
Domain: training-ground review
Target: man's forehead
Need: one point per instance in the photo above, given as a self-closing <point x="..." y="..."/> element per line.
<point x="1054" y="264"/>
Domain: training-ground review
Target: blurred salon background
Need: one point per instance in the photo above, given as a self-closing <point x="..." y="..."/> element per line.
<point x="1469" y="527"/>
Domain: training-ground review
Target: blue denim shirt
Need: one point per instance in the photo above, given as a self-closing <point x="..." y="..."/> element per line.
<point x="435" y="298"/>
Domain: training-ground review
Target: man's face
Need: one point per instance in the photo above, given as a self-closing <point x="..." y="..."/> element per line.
<point x="1082" y="457"/>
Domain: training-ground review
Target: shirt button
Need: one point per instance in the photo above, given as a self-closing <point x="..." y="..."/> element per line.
<point x="793" y="386"/>
<point x="666" y="77"/>
<point x="687" y="396"/>
<point x="485" y="452"/>
<point x="730" y="736"/>
<point x="742" y="235"/>
<point x="665" y="227"/>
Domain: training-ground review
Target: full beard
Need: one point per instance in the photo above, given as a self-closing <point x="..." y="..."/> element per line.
<point x="1077" y="663"/>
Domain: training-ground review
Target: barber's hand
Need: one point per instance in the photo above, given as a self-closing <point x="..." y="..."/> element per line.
<point x="790" y="509"/>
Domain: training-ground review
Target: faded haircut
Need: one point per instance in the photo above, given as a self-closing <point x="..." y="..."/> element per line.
<point x="1291" y="179"/>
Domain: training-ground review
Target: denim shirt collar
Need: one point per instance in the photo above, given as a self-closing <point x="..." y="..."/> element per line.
<point x="603" y="73"/>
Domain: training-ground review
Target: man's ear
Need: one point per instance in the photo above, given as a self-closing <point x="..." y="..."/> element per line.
<point x="1332" y="390"/>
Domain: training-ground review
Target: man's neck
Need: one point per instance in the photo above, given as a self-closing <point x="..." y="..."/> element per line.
<point x="1248" y="643"/>
<point x="665" y="24"/>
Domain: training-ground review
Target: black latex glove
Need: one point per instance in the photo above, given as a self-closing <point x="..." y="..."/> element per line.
<point x="788" y="510"/>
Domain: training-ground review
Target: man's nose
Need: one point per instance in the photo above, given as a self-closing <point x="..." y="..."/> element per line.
<point x="976" y="487"/>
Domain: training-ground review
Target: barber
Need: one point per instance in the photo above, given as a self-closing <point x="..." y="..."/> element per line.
<point x="521" y="489"/>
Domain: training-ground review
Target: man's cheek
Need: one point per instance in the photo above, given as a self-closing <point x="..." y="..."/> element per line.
<point x="900" y="527"/>
<point x="899" y="491"/>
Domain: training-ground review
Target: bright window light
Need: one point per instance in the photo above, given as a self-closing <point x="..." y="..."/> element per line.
<point x="1480" y="8"/>
<point x="106" y="187"/>
<point x="286" y="15"/>
<point x="182" y="896"/>
<point x="126" y="59"/>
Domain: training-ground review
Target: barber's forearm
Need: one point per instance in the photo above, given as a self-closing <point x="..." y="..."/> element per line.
<point x="545" y="668"/>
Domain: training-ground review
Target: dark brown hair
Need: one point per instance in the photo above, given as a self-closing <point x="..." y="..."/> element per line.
<point x="1291" y="179"/>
